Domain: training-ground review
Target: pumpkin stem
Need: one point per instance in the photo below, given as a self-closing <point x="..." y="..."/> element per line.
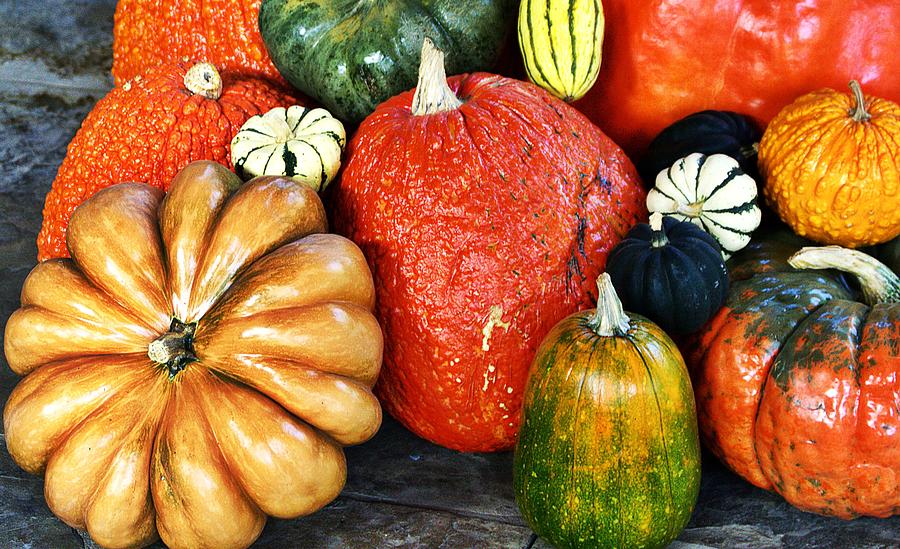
<point x="659" y="238"/>
<point x="858" y="112"/>
<point x="174" y="349"/>
<point x="433" y="95"/>
<point x="609" y="319"/>
<point x="203" y="79"/>
<point x="690" y="210"/>
<point x="878" y="282"/>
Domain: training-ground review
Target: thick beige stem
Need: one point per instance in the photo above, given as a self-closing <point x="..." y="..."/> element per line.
<point x="659" y="238"/>
<point x="610" y="319"/>
<point x="879" y="283"/>
<point x="433" y="95"/>
<point x="203" y="79"/>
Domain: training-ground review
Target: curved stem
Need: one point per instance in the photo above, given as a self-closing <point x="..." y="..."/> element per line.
<point x="659" y="238"/>
<point x="879" y="284"/>
<point x="858" y="112"/>
<point x="609" y="319"/>
<point x="432" y="94"/>
<point x="203" y="79"/>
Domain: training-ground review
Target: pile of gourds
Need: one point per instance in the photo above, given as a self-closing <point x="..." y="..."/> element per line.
<point x="197" y="349"/>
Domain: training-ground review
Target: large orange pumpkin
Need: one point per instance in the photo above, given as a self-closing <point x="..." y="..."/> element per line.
<point x="197" y="365"/>
<point x="148" y="33"/>
<point x="486" y="210"/>
<point x="149" y="128"/>
<point x="665" y="59"/>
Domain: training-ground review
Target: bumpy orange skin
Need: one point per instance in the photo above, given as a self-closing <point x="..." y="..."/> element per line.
<point x="831" y="178"/>
<point x="145" y="131"/>
<point x="224" y="32"/>
<point x="484" y="226"/>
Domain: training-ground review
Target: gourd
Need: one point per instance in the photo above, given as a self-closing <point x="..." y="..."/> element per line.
<point x="198" y="363"/>
<point x="708" y="132"/>
<point x="562" y="44"/>
<point x="795" y="378"/>
<point x="608" y="454"/>
<point x="146" y="130"/>
<point x="350" y="58"/>
<point x="148" y="33"/>
<point x="832" y="167"/>
<point x="665" y="59"/>
<point x="713" y="193"/>
<point x="298" y="142"/>
<point x="485" y="222"/>
<point x="671" y="272"/>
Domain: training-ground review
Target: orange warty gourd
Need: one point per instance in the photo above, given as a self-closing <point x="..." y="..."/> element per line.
<point x="198" y="363"/>
<point x="486" y="208"/>
<point x="149" y="128"/>
<point x="831" y="165"/>
<point x="224" y="32"/>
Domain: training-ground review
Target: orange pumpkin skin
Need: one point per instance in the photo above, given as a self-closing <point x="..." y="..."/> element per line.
<point x="835" y="179"/>
<point x="145" y="131"/>
<point x="666" y="59"/>
<point x="245" y="418"/>
<point x="796" y="386"/>
<point x="484" y="226"/>
<point x="147" y="33"/>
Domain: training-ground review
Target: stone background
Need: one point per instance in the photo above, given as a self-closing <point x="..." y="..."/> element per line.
<point x="55" y="57"/>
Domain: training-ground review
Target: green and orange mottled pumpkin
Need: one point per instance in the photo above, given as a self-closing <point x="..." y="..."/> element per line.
<point x="608" y="454"/>
<point x="797" y="380"/>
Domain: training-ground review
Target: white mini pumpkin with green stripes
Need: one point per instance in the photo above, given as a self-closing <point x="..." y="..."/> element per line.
<point x="561" y="43"/>
<point x="713" y="193"/>
<point x="300" y="143"/>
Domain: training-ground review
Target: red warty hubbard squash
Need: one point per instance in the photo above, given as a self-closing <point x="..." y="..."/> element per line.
<point x="197" y="365"/>
<point x="797" y="378"/>
<point x="149" y="128"/>
<point x="148" y="33"/>
<point x="665" y="59"/>
<point x="486" y="210"/>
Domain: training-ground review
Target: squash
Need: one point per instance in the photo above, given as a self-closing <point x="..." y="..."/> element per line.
<point x="301" y="143"/>
<point x="562" y="44"/>
<point x="713" y="193"/>
<point x="708" y="132"/>
<point x="608" y="454"/>
<point x="832" y="167"/>
<point x="485" y="222"/>
<point x="665" y="59"/>
<point x="148" y="33"/>
<point x="796" y="379"/>
<point x="671" y="272"/>
<point x="350" y="58"/>
<point x="146" y="130"/>
<point x="197" y="365"/>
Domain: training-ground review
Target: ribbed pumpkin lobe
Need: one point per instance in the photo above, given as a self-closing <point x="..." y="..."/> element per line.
<point x="174" y="350"/>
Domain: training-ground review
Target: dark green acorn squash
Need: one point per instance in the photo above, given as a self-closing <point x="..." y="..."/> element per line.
<point x="670" y="271"/>
<point x="608" y="453"/>
<point x="350" y="55"/>
<point x="708" y="132"/>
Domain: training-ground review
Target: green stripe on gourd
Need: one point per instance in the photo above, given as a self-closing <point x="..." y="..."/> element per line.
<point x="713" y="193"/>
<point x="561" y="43"/>
<point x="300" y="143"/>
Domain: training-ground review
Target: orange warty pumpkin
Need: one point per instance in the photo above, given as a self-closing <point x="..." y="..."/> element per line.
<point x="149" y="128"/>
<point x="196" y="365"/>
<point x="831" y="165"/>
<point x="224" y="32"/>
<point x="486" y="208"/>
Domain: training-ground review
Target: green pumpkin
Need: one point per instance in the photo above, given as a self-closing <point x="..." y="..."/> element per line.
<point x="352" y="55"/>
<point x="608" y="454"/>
